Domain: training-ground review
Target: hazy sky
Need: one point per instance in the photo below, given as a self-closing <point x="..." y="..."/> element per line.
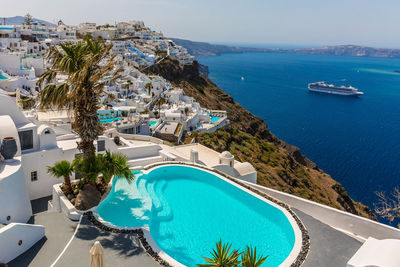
<point x="292" y="22"/>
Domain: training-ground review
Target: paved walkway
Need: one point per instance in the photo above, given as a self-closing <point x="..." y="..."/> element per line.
<point x="329" y="247"/>
<point x="119" y="249"/>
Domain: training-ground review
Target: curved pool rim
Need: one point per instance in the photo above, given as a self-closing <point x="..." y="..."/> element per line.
<point x="291" y="259"/>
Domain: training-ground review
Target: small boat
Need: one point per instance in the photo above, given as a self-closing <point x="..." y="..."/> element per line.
<point x="242" y="78"/>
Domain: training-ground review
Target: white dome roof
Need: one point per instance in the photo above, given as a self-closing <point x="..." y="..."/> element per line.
<point x="226" y="154"/>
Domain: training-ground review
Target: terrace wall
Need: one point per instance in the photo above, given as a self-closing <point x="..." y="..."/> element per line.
<point x="347" y="222"/>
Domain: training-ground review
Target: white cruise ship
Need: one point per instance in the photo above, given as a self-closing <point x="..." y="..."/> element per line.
<point x="323" y="87"/>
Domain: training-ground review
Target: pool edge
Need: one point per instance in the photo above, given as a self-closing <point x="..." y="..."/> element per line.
<point x="296" y="257"/>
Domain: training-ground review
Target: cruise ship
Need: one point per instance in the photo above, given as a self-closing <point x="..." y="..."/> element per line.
<point x="323" y="87"/>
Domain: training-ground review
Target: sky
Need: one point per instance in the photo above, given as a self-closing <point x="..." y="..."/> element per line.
<point x="281" y="22"/>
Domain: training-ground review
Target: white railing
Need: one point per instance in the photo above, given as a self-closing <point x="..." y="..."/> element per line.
<point x="345" y="221"/>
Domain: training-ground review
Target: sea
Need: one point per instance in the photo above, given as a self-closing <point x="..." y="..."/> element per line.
<point x="354" y="139"/>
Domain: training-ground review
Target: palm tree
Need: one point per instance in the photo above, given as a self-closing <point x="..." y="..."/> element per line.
<point x="148" y="86"/>
<point x="62" y="169"/>
<point x="159" y="102"/>
<point x="222" y="256"/>
<point x="250" y="259"/>
<point x="89" y="167"/>
<point x="110" y="97"/>
<point x="115" y="164"/>
<point x="85" y="64"/>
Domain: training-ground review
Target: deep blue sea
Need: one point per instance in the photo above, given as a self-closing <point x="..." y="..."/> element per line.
<point x="356" y="140"/>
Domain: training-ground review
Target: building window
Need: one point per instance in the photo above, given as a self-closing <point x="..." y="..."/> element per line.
<point x="34" y="176"/>
<point x="101" y="145"/>
<point x="26" y="139"/>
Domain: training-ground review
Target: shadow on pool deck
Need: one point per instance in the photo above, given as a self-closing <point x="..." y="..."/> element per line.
<point x="329" y="247"/>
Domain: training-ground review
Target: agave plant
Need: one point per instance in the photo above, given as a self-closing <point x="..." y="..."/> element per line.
<point x="222" y="256"/>
<point x="115" y="164"/>
<point x="250" y="258"/>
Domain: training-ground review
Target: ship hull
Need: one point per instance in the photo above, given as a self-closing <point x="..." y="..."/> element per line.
<point x="335" y="92"/>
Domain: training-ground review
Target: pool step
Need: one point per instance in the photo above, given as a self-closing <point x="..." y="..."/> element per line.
<point x="163" y="211"/>
<point x="153" y="200"/>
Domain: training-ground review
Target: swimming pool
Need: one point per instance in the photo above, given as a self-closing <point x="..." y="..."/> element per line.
<point x="152" y="123"/>
<point x="109" y="120"/>
<point x="2" y="77"/>
<point x="215" y="119"/>
<point x="188" y="210"/>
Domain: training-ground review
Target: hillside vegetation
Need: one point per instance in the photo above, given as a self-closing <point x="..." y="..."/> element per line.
<point x="279" y="165"/>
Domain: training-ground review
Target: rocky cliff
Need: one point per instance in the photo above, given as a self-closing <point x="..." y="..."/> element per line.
<point x="280" y="165"/>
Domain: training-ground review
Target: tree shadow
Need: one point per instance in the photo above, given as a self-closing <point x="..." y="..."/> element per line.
<point x="122" y="243"/>
<point x="126" y="208"/>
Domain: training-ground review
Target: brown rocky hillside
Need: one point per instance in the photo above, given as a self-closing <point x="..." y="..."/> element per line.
<point x="280" y="166"/>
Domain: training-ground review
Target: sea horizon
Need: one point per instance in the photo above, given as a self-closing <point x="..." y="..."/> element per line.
<point x="294" y="46"/>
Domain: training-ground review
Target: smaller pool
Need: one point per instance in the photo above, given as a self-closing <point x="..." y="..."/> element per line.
<point x="2" y="77"/>
<point x="152" y="123"/>
<point x="215" y="119"/>
<point x="109" y="120"/>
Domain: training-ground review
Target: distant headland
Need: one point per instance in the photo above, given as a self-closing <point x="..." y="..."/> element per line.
<point x="207" y="49"/>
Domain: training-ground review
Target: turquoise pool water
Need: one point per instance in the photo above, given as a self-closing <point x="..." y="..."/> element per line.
<point x="109" y="120"/>
<point x="188" y="210"/>
<point x="2" y="77"/>
<point x="215" y="119"/>
<point x="152" y="123"/>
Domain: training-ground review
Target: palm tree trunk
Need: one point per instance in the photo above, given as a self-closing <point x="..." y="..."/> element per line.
<point x="67" y="184"/>
<point x="87" y="123"/>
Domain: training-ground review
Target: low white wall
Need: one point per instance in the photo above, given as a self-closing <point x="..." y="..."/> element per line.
<point x="252" y="177"/>
<point x="145" y="161"/>
<point x="140" y="151"/>
<point x="141" y="138"/>
<point x="345" y="221"/>
<point x="12" y="234"/>
<point x="62" y="204"/>
<point x="166" y="156"/>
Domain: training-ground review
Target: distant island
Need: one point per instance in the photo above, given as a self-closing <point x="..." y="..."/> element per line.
<point x="207" y="49"/>
<point x="20" y="19"/>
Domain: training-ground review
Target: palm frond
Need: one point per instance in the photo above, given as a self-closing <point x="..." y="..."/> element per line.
<point x="250" y="258"/>
<point x="222" y="256"/>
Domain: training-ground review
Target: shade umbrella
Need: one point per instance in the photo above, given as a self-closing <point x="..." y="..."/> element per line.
<point x="97" y="255"/>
